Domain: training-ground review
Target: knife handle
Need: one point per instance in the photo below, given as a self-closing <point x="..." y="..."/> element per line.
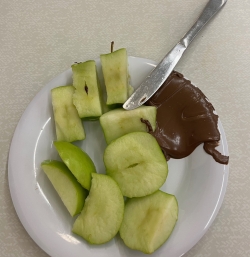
<point x="212" y="7"/>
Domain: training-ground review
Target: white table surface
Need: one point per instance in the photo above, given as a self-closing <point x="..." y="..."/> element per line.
<point x="40" y="39"/>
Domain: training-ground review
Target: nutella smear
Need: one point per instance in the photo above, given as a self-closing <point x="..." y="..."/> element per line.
<point x="185" y="119"/>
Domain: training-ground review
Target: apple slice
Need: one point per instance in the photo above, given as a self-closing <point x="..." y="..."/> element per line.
<point x="135" y="161"/>
<point x="102" y="213"/>
<point x="78" y="162"/>
<point x="119" y="122"/>
<point x="70" y="191"/>
<point x="68" y="125"/>
<point x="115" y="73"/>
<point x="87" y="96"/>
<point x="148" y="221"/>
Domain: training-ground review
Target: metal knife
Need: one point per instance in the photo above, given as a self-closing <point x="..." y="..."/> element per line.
<point x="161" y="72"/>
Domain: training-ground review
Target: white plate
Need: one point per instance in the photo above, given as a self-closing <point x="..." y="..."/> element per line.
<point x="198" y="182"/>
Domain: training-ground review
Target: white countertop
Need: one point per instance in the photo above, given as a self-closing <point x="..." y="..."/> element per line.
<point x="41" y="39"/>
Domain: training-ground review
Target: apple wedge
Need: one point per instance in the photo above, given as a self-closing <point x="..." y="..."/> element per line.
<point x="78" y="162"/>
<point x="135" y="161"/>
<point x="102" y="213"/>
<point x="115" y="73"/>
<point x="68" y="125"/>
<point x="119" y="122"/>
<point x="70" y="191"/>
<point x="87" y="95"/>
<point x="148" y="221"/>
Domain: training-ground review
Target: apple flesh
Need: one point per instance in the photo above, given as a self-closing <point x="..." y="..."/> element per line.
<point x="68" y="124"/>
<point x="115" y="73"/>
<point x="87" y="95"/>
<point x="102" y="213"/>
<point x="78" y="162"/>
<point x="135" y="161"/>
<point x="119" y="122"/>
<point x="148" y="221"/>
<point x="70" y="191"/>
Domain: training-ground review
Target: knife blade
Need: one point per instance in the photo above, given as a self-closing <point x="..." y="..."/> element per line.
<point x="161" y="72"/>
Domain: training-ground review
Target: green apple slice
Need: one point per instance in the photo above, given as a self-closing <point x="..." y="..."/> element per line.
<point x="78" y="162"/>
<point x="119" y="122"/>
<point x="148" y="221"/>
<point x="135" y="161"/>
<point x="70" y="191"/>
<point x="102" y="213"/>
<point x="115" y="73"/>
<point x="68" y="125"/>
<point x="87" y="96"/>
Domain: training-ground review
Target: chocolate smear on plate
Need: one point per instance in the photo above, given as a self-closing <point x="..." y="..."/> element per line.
<point x="185" y="119"/>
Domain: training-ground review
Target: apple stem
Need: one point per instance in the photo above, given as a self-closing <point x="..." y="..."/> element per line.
<point x="148" y="125"/>
<point x="112" y="46"/>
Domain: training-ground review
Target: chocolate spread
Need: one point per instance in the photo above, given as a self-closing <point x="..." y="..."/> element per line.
<point x="185" y="119"/>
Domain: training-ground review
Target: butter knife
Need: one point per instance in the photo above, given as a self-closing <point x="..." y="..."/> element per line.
<point x="161" y="72"/>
